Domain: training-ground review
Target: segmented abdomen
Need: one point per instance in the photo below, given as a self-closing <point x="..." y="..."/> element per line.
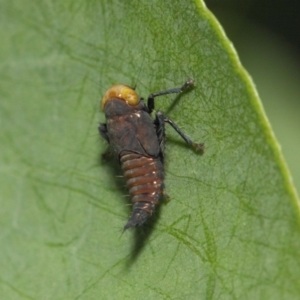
<point x="145" y="180"/>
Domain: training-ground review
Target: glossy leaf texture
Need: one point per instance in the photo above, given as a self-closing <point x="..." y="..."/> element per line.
<point x="231" y="229"/>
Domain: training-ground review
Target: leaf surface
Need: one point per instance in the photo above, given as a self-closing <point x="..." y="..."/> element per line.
<point x="231" y="229"/>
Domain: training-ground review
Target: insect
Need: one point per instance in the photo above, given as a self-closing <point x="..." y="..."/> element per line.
<point x="138" y="142"/>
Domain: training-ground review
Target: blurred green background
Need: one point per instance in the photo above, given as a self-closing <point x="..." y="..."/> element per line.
<point x="266" y="36"/>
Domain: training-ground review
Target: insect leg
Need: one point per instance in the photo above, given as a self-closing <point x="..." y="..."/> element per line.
<point x="161" y="136"/>
<point x="103" y="131"/>
<point x="197" y="146"/>
<point x="159" y="123"/>
<point x="150" y="103"/>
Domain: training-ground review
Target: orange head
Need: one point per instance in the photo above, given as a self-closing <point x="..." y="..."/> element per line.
<point x="122" y="92"/>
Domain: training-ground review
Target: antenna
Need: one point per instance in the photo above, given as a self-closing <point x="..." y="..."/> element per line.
<point x="138" y="75"/>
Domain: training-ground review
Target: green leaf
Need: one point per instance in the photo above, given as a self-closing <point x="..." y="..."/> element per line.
<point x="231" y="229"/>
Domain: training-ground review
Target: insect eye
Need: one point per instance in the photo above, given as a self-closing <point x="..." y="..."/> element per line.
<point x="122" y="92"/>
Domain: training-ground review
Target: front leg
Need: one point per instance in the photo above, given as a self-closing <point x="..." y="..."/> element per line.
<point x="103" y="131"/>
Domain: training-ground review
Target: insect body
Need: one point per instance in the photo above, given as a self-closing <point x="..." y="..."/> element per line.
<point x="138" y="142"/>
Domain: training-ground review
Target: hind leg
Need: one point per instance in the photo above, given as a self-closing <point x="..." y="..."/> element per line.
<point x="197" y="146"/>
<point x="159" y="123"/>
